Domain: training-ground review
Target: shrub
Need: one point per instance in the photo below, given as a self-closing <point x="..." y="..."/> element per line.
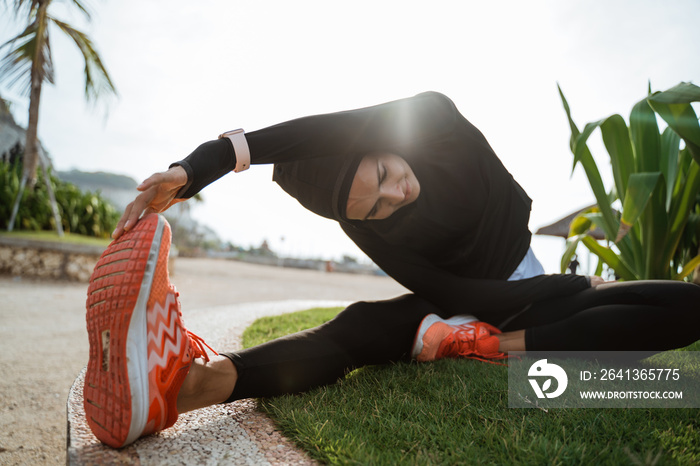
<point x="84" y="213"/>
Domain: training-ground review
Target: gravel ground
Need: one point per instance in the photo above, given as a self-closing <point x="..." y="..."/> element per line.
<point x="44" y="341"/>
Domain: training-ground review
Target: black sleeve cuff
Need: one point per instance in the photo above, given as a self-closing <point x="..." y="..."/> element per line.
<point x="206" y="164"/>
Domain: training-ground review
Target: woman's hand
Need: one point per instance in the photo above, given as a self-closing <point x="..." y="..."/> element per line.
<point x="157" y="195"/>
<point x="596" y="281"/>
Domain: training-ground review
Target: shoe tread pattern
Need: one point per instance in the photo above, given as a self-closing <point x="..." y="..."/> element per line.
<point x="112" y="295"/>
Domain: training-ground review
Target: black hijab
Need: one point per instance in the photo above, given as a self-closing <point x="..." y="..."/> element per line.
<point x="467" y="197"/>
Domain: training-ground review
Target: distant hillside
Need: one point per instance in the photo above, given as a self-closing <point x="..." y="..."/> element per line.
<point x="121" y="190"/>
<point x="118" y="189"/>
<point x="99" y="180"/>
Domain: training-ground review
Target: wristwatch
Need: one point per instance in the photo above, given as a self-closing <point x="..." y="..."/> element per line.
<point x="240" y="147"/>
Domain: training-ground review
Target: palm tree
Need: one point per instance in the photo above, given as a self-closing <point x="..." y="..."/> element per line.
<point x="28" y="63"/>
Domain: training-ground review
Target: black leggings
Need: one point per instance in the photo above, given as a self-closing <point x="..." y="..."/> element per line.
<point x="634" y="316"/>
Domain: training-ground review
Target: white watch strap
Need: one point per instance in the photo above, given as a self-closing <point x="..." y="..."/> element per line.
<point x="240" y="146"/>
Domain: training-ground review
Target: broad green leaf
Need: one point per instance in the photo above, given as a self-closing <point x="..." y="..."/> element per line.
<point x="616" y="137"/>
<point x="689" y="267"/>
<point x="631" y="249"/>
<point x="694" y="150"/>
<point x="639" y="190"/>
<point x="686" y="161"/>
<point x="682" y="93"/>
<point x="610" y="223"/>
<point x="572" y="125"/>
<point x="580" y="147"/>
<point x="674" y="107"/>
<point x="610" y="258"/>
<point x="644" y="132"/>
<point x="669" y="161"/>
<point x="599" y="267"/>
<point x="582" y="154"/>
<point x="685" y="198"/>
<point x="681" y="206"/>
<point x="612" y="196"/>
<point x="655" y="227"/>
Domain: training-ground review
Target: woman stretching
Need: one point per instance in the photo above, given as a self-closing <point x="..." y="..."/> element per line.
<point x="421" y="192"/>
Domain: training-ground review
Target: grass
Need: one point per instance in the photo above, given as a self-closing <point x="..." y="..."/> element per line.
<point x="456" y="412"/>
<point x="70" y="238"/>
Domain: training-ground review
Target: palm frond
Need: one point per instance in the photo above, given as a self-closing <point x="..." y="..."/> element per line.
<point x="16" y="66"/>
<point x="82" y="7"/>
<point x="97" y="79"/>
<point x="19" y="6"/>
<point x="31" y="6"/>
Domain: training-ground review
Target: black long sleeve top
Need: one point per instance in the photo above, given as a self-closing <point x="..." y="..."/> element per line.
<point x="457" y="244"/>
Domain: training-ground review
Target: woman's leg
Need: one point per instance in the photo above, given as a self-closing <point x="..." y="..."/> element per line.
<point x="630" y="316"/>
<point x="207" y="384"/>
<point x="622" y="316"/>
<point x="364" y="333"/>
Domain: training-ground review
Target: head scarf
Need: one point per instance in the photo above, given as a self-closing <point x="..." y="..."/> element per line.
<point x="322" y="185"/>
<point x="466" y="198"/>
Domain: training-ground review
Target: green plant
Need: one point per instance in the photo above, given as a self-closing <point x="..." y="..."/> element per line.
<point x="656" y="182"/>
<point x="83" y="213"/>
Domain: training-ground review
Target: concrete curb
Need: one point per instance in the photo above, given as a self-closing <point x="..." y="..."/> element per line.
<point x="59" y="246"/>
<point x="225" y="434"/>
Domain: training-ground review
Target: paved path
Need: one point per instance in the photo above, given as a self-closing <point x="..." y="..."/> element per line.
<point x="44" y="347"/>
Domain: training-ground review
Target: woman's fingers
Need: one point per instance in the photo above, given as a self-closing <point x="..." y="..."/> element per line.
<point x="157" y="194"/>
<point x="149" y="182"/>
<point x="597" y="281"/>
<point x="119" y="229"/>
<point x="133" y="212"/>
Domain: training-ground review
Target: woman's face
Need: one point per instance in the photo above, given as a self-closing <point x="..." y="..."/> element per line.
<point x="383" y="184"/>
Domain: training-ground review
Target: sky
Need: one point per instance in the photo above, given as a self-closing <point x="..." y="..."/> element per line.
<point x="190" y="71"/>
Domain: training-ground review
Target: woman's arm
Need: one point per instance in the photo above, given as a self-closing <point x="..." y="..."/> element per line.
<point x="388" y="126"/>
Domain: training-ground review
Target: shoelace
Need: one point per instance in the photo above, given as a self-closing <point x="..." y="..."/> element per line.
<point x="465" y="340"/>
<point x="198" y="344"/>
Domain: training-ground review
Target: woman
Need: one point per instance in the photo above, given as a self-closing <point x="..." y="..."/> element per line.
<point x="416" y="187"/>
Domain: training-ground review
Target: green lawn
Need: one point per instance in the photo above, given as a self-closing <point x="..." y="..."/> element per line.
<point x="52" y="236"/>
<point x="456" y="412"/>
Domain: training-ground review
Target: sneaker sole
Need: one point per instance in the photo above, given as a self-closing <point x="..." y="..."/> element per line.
<point x="425" y="324"/>
<point x="116" y="397"/>
<point x="460" y="319"/>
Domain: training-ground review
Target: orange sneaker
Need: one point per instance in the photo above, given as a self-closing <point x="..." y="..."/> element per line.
<point x="458" y="337"/>
<point x="140" y="351"/>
